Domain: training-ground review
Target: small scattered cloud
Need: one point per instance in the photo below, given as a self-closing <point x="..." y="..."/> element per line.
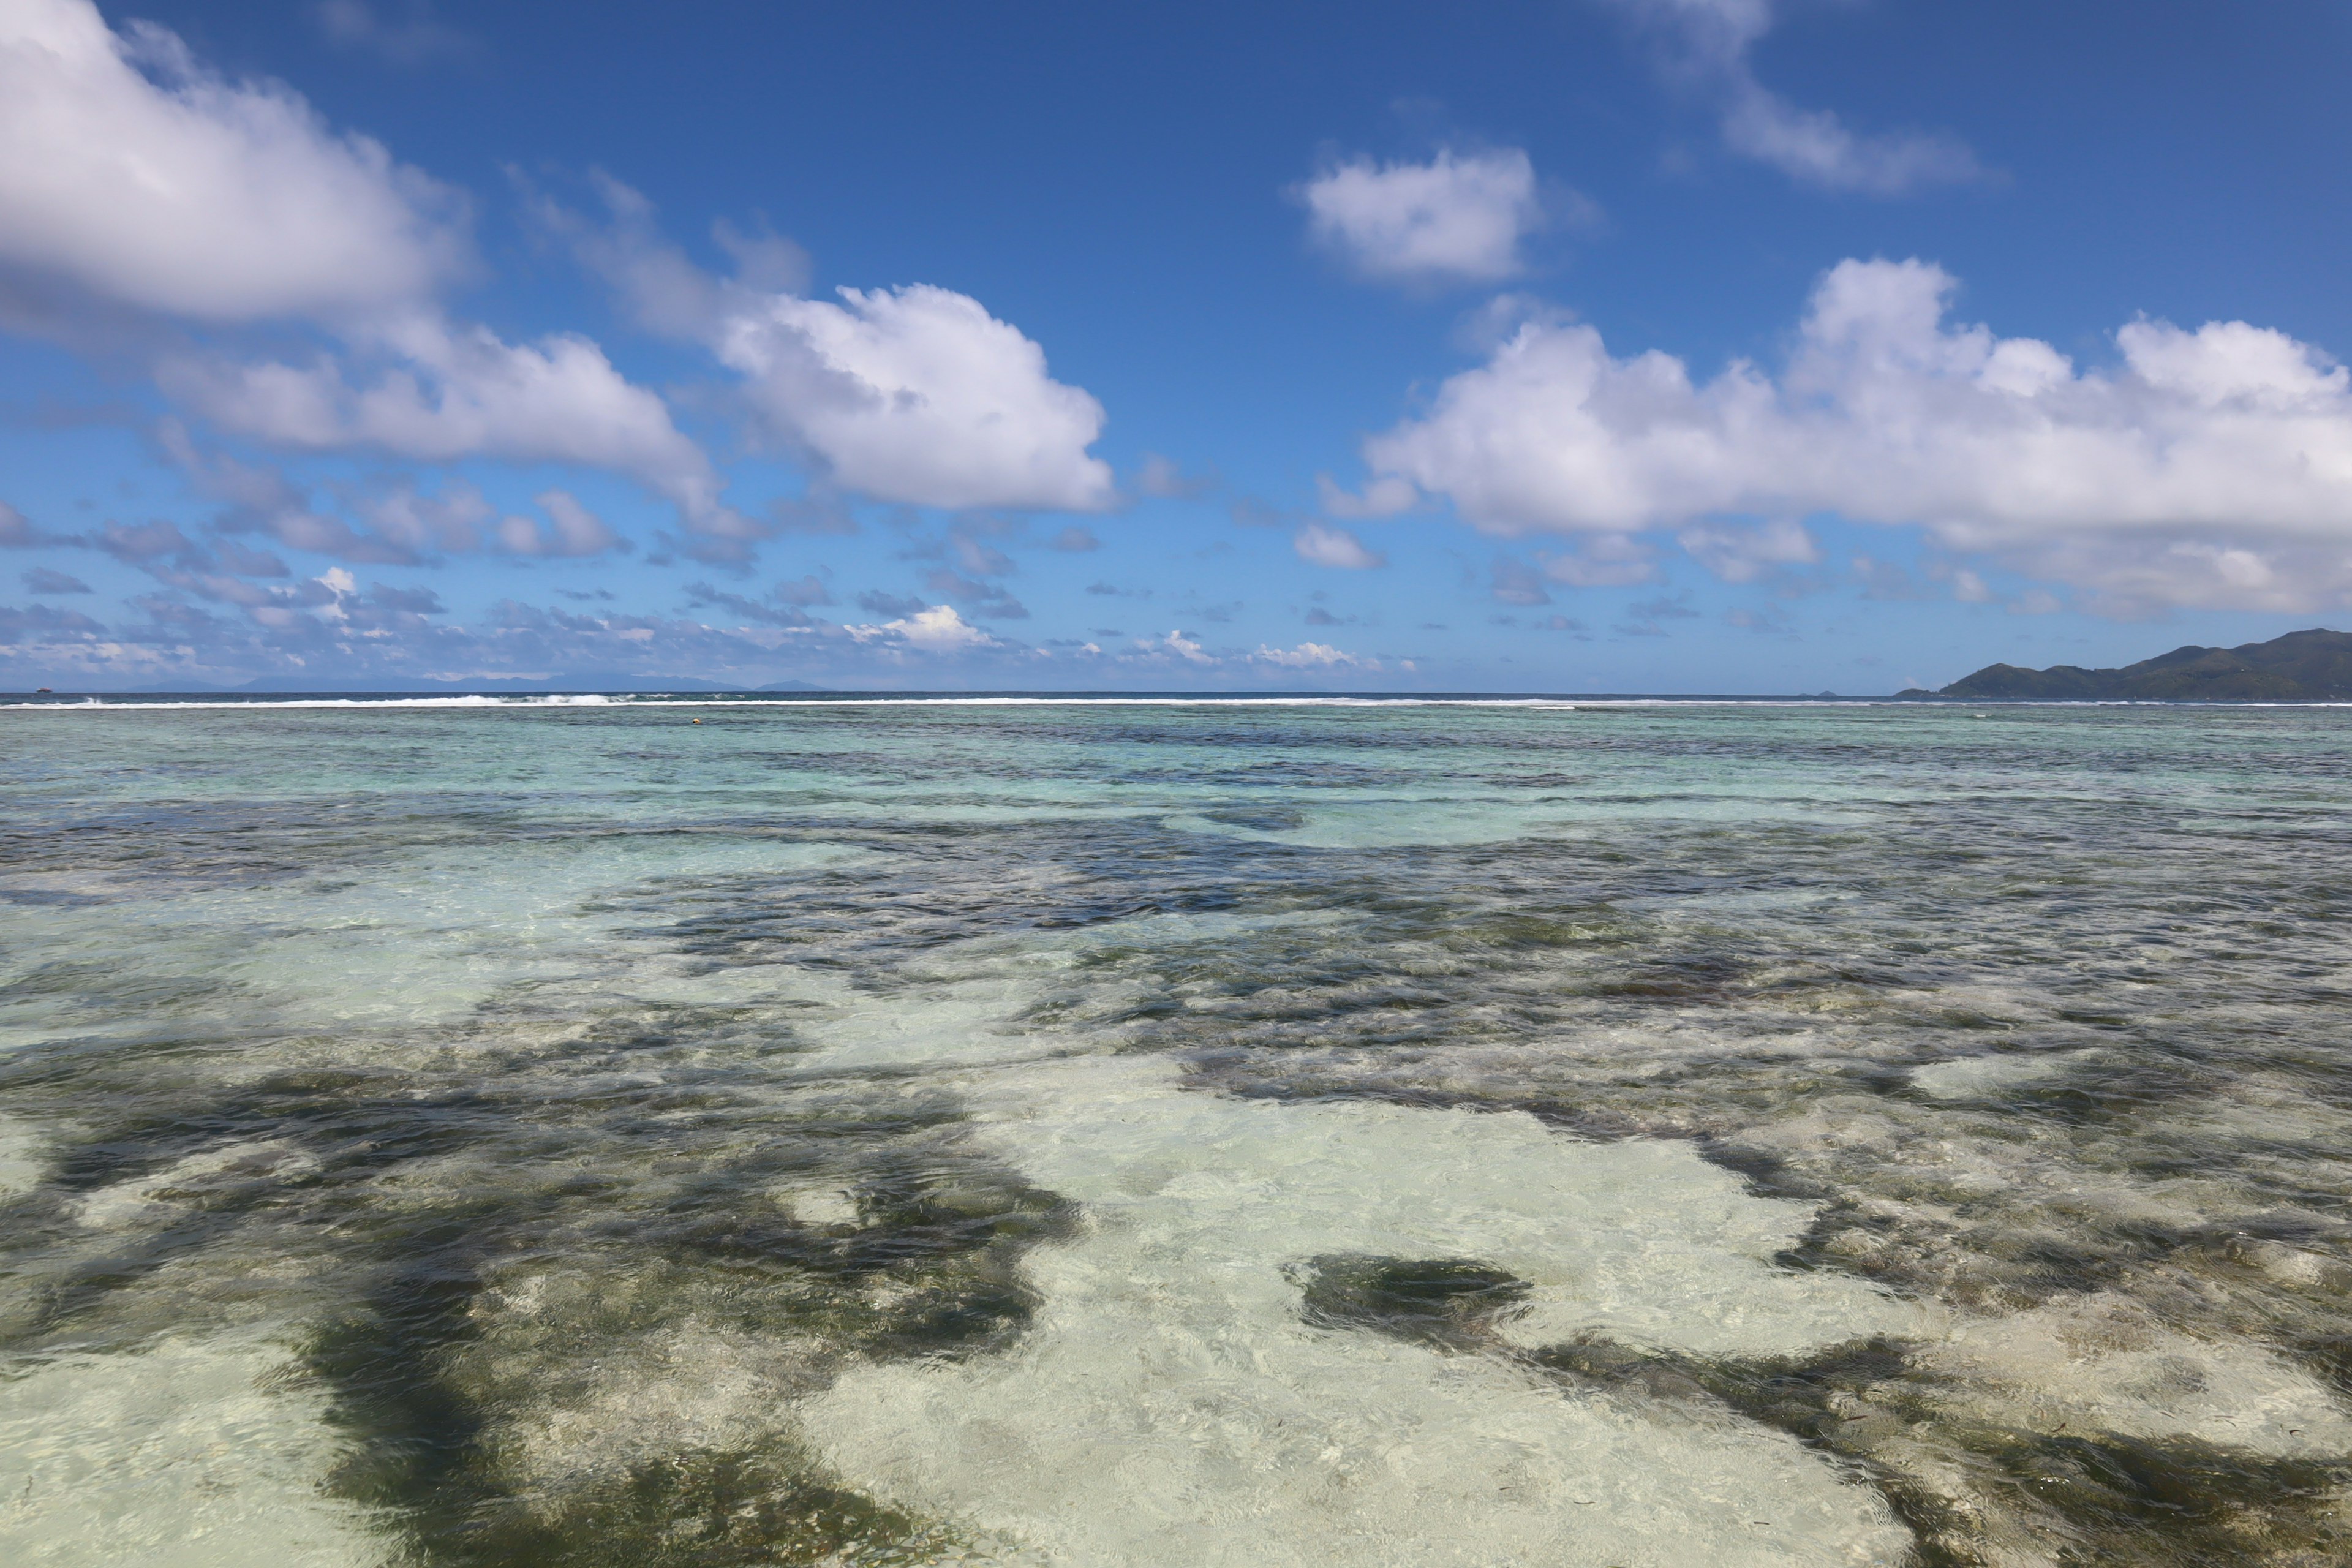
<point x="1165" y="479"/>
<point x="978" y="555"/>
<point x="1969" y="588"/>
<point x="1887" y="581"/>
<point x="1327" y="546"/>
<point x="703" y="595"/>
<point x="811" y="514"/>
<point x="941" y="630"/>
<point x="41" y="580"/>
<point x="412" y="601"/>
<point x="571" y="530"/>
<point x="1664" y="608"/>
<point x="19" y="532"/>
<point x="1742" y="554"/>
<point x="1704" y="47"/>
<point x="1077" y="538"/>
<point x="1458" y="219"/>
<point x="1516" y="582"/>
<point x="40" y="624"/>
<point x="1602" y="560"/>
<point x="801" y="592"/>
<point x="416" y="37"/>
<point x="657" y="285"/>
<point x="1311" y="656"/>
<point x="1175" y="645"/>
<point x="137" y="543"/>
<point x="1383" y="497"/>
<point x="875" y="602"/>
<point x="988" y="600"/>
<point x="1762" y="621"/>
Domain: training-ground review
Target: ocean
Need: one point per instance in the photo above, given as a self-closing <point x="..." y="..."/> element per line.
<point x="709" y="1131"/>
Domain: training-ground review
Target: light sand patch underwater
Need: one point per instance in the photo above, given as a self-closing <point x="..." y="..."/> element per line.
<point x="178" y="1455"/>
<point x="1173" y="1402"/>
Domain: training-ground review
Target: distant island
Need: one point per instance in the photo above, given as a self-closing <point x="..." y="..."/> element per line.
<point x="2301" y="666"/>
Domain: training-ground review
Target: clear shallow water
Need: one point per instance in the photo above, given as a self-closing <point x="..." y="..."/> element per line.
<point x="1093" y="1135"/>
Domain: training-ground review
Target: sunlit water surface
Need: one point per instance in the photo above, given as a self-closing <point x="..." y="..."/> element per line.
<point x="520" y="1134"/>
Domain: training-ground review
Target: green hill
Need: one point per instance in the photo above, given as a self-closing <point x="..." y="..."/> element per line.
<point x="2301" y="666"/>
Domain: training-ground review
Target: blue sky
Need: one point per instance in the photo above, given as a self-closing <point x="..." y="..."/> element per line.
<point x="1699" y="345"/>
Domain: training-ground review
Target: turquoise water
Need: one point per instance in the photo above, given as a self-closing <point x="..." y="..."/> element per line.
<point x="532" y="1133"/>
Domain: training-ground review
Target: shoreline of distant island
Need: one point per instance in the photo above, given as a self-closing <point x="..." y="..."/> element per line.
<point x="2313" y="665"/>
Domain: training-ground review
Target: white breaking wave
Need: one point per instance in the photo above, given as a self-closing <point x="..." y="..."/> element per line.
<point x="265" y="704"/>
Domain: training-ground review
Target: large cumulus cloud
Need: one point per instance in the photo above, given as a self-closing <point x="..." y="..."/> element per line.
<point x="172" y="190"/>
<point x="2209" y="467"/>
<point x="917" y="394"/>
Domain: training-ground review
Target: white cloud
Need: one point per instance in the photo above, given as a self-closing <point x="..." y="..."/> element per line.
<point x="452" y="520"/>
<point x="256" y="497"/>
<point x="939" y="629"/>
<point x="917" y="394"/>
<point x="1707" y="49"/>
<point x="1381" y="497"/>
<point x="1456" y="218"/>
<point x="172" y="190"/>
<point x="417" y="37"/>
<point x="913" y="395"/>
<point x="2036" y="601"/>
<point x="572" y="529"/>
<point x="2211" y="466"/>
<point x="1603" y="560"/>
<point x="1163" y="477"/>
<point x="1740" y="554"/>
<point x="1516" y="582"/>
<point x="1312" y="655"/>
<point x="131" y="176"/>
<point x="1175" y="645"/>
<point x="656" y="282"/>
<point x="451" y="392"/>
<point x="16" y="532"/>
<point x="1328" y="547"/>
<point x="1811" y="146"/>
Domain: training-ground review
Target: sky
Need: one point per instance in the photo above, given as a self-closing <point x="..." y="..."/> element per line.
<point x="1737" y="346"/>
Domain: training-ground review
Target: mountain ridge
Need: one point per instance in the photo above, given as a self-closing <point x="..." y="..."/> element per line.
<point x="2312" y="666"/>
